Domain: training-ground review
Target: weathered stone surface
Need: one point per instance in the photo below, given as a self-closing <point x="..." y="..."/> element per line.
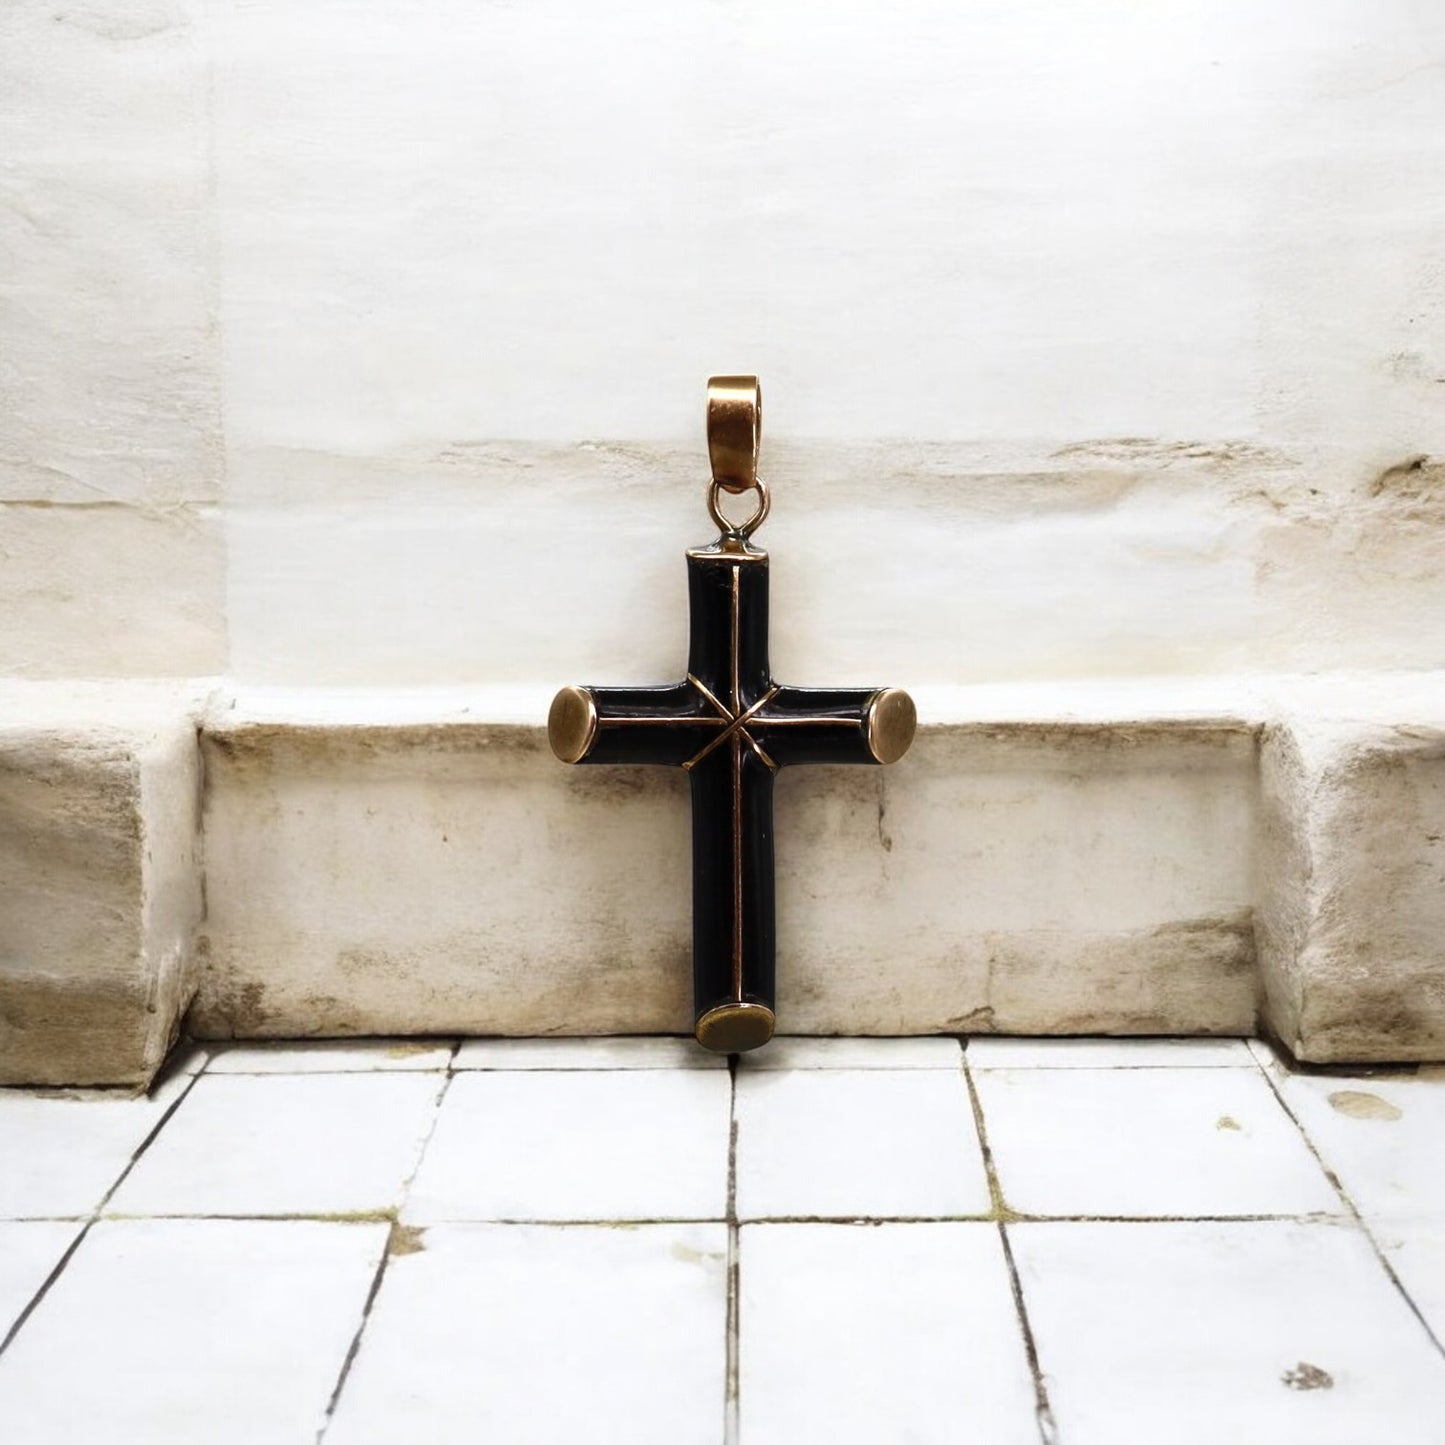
<point x="378" y="873"/>
<point x="1351" y="919"/>
<point x="110" y="390"/>
<point x="418" y="862"/>
<point x="111" y="591"/>
<point x="111" y="451"/>
<point x="100" y="889"/>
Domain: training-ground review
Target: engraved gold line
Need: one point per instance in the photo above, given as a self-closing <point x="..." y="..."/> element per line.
<point x="737" y="867"/>
<point x="721" y="707"/>
<point x="735" y="726"/>
<point x="737" y="582"/>
<point x="757" y="748"/>
<point x="617" y="722"/>
<point x="841" y="722"/>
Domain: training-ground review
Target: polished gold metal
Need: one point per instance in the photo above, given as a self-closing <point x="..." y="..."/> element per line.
<point x="743" y="530"/>
<point x="734" y="1028"/>
<point x="728" y="549"/>
<point x="889" y="722"/>
<point x="572" y="724"/>
<point x="735" y="723"/>
<point x="734" y="430"/>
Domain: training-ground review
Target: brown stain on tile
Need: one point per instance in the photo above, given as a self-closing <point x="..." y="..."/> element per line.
<point x="406" y="1239"/>
<point x="1226" y="1122"/>
<point x="685" y="1252"/>
<point x="1305" y="1376"/>
<point x="1357" y="1104"/>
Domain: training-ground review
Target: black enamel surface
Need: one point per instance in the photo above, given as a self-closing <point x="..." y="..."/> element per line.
<point x="731" y="764"/>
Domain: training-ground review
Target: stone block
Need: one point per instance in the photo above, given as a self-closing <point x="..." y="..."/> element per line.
<point x="1351" y="918"/>
<point x="100" y="886"/>
<point x="379" y="866"/>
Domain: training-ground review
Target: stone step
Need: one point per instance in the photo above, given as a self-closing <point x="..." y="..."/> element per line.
<point x="100" y="878"/>
<point x="1177" y="856"/>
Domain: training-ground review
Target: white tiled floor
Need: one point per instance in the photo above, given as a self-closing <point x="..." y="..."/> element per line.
<point x="880" y="1333"/>
<point x="1198" y="1333"/>
<point x="531" y="1333"/>
<point x="556" y="1240"/>
<point x="286" y="1144"/>
<point x="213" y="1330"/>
<point x="619" y="1144"/>
<point x="586" y="1054"/>
<point x="1165" y="1141"/>
<point x="61" y="1151"/>
<point x="29" y="1250"/>
<point x="852" y="1143"/>
<point x="329" y="1056"/>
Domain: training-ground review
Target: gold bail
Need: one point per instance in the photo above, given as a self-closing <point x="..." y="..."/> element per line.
<point x="734" y="431"/>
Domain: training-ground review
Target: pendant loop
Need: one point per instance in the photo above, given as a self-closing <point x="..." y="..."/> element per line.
<point x="739" y="529"/>
<point x="734" y="431"/>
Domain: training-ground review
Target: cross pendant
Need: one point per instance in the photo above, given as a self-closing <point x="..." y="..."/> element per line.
<point x="730" y="727"/>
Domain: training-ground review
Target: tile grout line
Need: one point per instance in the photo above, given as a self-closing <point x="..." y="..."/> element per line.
<point x="731" y="1372"/>
<point x="393" y="1238"/>
<point x="94" y="1216"/>
<point x="1352" y="1208"/>
<point x="1043" y="1411"/>
<point x="385" y="1216"/>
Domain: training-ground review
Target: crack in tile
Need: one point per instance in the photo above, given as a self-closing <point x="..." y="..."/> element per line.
<point x="90" y="1221"/>
<point x="1043" y="1411"/>
<point x="1352" y="1208"/>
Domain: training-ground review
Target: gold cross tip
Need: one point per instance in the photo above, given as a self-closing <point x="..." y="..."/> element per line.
<point x="572" y="724"/>
<point x="889" y="723"/>
<point x="735" y="1028"/>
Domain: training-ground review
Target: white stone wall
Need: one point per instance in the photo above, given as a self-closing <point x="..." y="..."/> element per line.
<point x="352" y="358"/>
<point x="349" y="342"/>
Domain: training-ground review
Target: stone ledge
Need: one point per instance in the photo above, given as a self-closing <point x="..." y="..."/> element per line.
<point x="1351" y="918"/>
<point x="418" y="862"/>
<point x="1171" y="856"/>
<point x="101" y="890"/>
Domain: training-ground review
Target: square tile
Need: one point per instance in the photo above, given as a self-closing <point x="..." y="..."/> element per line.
<point x="166" y="1331"/>
<point x="858" y="1333"/>
<point x="797" y="1052"/>
<point x="1121" y="1142"/>
<point x="1383" y="1135"/>
<point x="64" y="1149"/>
<point x="530" y="1333"/>
<point x="1101" y="1053"/>
<point x="600" y="1053"/>
<point x="1196" y="1333"/>
<point x="331" y="1056"/>
<point x="28" y="1252"/>
<point x="1416" y="1252"/>
<point x="558" y="1145"/>
<point x="848" y="1143"/>
<point x="283" y="1144"/>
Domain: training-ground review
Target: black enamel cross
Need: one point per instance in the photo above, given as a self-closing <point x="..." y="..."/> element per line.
<point x="730" y="727"/>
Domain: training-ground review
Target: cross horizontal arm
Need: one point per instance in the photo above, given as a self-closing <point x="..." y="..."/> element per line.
<point x="662" y="725"/>
<point x="834" y="724"/>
